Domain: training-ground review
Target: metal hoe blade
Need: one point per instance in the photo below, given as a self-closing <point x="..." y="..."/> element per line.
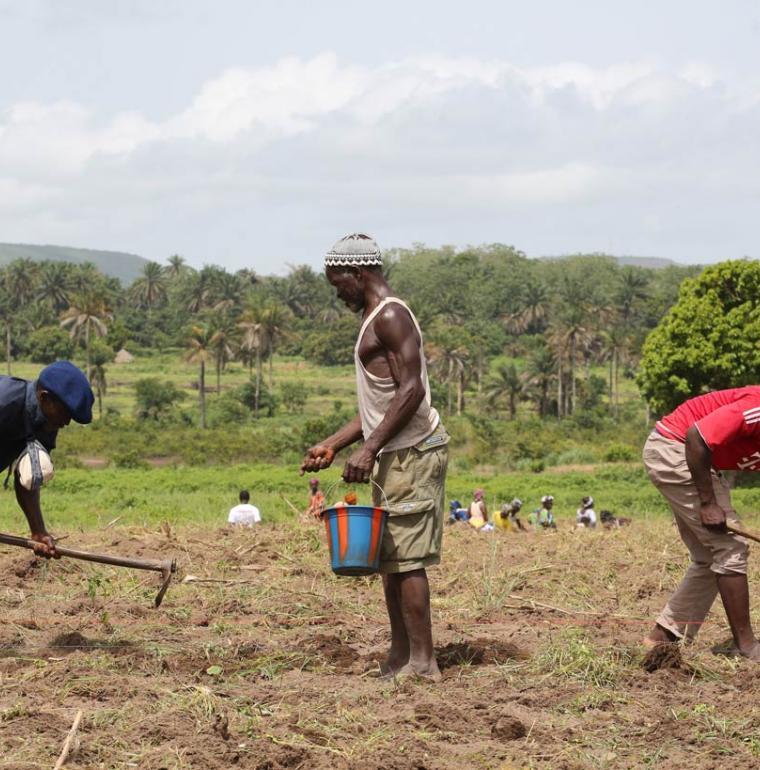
<point x="167" y="568"/>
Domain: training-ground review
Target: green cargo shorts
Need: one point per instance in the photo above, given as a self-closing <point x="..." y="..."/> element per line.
<point x="413" y="481"/>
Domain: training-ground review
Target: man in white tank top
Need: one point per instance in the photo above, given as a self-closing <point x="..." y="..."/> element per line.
<point x="404" y="451"/>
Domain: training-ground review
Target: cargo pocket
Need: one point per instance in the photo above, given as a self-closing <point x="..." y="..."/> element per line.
<point x="406" y="507"/>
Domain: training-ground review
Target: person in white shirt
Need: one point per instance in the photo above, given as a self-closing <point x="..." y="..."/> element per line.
<point x="245" y="514"/>
<point x="585" y="516"/>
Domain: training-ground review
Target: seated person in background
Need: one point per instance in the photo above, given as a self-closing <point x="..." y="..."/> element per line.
<point x="543" y="517"/>
<point x="316" y="501"/>
<point x="585" y="516"/>
<point x="456" y="512"/>
<point x="509" y="516"/>
<point x="478" y="513"/>
<point x="610" y="521"/>
<point x="245" y="514"/>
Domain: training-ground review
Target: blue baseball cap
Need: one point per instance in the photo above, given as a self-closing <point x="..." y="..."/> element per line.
<point x="69" y="384"/>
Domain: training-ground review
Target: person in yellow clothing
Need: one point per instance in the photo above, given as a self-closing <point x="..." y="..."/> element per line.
<point x="508" y="517"/>
<point x="478" y="511"/>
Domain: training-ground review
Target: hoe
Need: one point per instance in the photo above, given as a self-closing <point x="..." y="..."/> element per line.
<point x="166" y="568"/>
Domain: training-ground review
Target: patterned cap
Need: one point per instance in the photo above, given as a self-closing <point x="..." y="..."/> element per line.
<point x="355" y="250"/>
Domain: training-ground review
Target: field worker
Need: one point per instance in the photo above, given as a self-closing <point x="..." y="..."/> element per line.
<point x="478" y="515"/>
<point x="684" y="457"/>
<point x="585" y="516"/>
<point x="543" y="517"/>
<point x="31" y="414"/>
<point x="244" y="514"/>
<point x="404" y="452"/>
<point x="509" y="516"/>
<point x="316" y="501"/>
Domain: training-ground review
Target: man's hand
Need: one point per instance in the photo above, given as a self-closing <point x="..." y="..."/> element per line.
<point x="44" y="545"/>
<point x="712" y="516"/>
<point x="317" y="458"/>
<point x="359" y="466"/>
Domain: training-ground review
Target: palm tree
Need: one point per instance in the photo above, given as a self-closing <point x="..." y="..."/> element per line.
<point x="449" y="359"/>
<point x="532" y="310"/>
<point x="21" y="281"/>
<point x="507" y="382"/>
<point x="274" y="321"/>
<point x="86" y="317"/>
<point x="251" y="346"/>
<point x="633" y="285"/>
<point x="540" y="375"/>
<point x="196" y="290"/>
<point x="101" y="355"/>
<point x="200" y="352"/>
<point x="228" y="293"/>
<point x="570" y="333"/>
<point x="222" y="344"/>
<point x="54" y="285"/>
<point x="615" y="342"/>
<point x="149" y="290"/>
<point x="176" y="266"/>
<point x="84" y="277"/>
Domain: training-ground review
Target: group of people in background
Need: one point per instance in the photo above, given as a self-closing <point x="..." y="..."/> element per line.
<point x="509" y="518"/>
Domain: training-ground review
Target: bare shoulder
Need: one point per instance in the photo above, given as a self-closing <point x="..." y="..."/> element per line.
<point x="394" y="315"/>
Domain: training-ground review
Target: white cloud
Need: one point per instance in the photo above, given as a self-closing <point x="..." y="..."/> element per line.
<point x="473" y="141"/>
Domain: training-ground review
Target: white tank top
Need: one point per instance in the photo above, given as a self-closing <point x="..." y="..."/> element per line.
<point x="376" y="393"/>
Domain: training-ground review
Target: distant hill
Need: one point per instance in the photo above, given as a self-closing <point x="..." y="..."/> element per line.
<point x="125" y="267"/>
<point x="653" y="263"/>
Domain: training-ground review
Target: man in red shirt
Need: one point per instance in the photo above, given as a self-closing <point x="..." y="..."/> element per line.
<point x="683" y="457"/>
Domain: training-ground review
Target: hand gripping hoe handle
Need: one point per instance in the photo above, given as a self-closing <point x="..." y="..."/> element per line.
<point x="167" y="568"/>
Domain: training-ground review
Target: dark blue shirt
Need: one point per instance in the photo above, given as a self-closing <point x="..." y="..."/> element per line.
<point x="21" y="419"/>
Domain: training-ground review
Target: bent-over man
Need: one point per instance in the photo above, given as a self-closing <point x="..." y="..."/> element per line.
<point x="31" y="414"/>
<point x="684" y="456"/>
<point x="404" y="451"/>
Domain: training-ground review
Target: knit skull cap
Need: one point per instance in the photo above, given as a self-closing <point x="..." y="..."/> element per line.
<point x="69" y="384"/>
<point x="355" y="250"/>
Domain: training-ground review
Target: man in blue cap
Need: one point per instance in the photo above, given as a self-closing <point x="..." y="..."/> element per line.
<point x="31" y="414"/>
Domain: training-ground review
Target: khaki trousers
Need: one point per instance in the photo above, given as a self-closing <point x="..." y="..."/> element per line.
<point x="712" y="553"/>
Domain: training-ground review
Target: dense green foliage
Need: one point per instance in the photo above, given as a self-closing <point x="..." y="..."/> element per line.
<point x="501" y="330"/>
<point x="709" y="340"/>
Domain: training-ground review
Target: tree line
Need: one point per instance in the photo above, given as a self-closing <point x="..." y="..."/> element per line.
<point x="500" y="328"/>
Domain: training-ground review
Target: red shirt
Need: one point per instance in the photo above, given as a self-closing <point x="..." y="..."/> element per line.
<point x="727" y="420"/>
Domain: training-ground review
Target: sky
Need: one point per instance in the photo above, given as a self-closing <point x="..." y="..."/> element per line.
<point x="254" y="134"/>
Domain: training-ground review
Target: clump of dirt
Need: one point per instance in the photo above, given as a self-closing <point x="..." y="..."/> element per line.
<point x="663" y="656"/>
<point x="508" y="728"/>
<point x="478" y="652"/>
<point x="24" y="567"/>
<point x="333" y="650"/>
<point x="71" y="641"/>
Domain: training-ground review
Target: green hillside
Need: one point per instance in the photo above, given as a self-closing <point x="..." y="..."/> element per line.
<point x="125" y="267"/>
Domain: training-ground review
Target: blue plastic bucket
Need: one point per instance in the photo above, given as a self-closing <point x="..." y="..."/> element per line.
<point x="354" y="534"/>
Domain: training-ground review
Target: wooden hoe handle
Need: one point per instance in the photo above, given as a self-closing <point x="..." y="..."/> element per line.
<point x="743" y="532"/>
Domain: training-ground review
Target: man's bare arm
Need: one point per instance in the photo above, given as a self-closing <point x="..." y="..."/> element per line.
<point x="29" y="502"/>
<point x="699" y="460"/>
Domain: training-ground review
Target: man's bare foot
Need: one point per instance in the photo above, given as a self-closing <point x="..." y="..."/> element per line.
<point x="752" y="653"/>
<point x="428" y="670"/>
<point x="392" y="665"/>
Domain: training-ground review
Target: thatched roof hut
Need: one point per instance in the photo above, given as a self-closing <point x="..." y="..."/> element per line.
<point x="123" y="357"/>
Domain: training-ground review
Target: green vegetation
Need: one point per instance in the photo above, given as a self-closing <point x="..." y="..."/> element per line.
<point x="710" y="339"/>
